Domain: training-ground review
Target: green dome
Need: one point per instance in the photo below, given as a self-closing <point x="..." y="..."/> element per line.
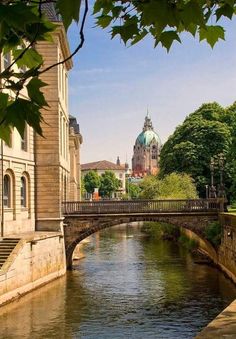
<point x="145" y="138"/>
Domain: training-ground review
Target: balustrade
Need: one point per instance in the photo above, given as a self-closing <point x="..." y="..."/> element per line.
<point x="142" y="206"/>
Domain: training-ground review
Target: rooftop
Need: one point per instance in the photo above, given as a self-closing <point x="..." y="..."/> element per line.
<point x="103" y="165"/>
<point x="50" y="12"/>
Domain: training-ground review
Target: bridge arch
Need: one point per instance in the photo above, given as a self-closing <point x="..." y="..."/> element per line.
<point x="76" y="229"/>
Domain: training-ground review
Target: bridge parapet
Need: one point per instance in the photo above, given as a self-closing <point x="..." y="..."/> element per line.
<point x="142" y="206"/>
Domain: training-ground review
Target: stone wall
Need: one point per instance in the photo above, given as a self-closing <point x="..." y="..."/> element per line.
<point x="77" y="229"/>
<point x="34" y="262"/>
<point x="227" y="250"/>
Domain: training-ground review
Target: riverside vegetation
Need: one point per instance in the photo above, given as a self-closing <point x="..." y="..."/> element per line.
<point x="166" y="231"/>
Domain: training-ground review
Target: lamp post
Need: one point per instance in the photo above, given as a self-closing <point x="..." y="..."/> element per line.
<point x="212" y="191"/>
<point x="221" y="162"/>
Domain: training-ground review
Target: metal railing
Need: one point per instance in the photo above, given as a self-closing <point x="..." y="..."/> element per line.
<point x="142" y="206"/>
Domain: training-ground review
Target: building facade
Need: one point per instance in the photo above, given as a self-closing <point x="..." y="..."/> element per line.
<point x="75" y="140"/>
<point x="146" y="152"/>
<point x="39" y="173"/>
<point x="101" y="167"/>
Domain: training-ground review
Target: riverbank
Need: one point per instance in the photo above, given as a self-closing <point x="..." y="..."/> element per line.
<point x="36" y="259"/>
<point x="223" y="326"/>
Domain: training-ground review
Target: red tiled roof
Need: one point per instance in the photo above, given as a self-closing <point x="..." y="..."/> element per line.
<point x="101" y="165"/>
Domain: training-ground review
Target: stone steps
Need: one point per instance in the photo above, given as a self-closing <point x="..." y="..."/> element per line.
<point x="7" y="245"/>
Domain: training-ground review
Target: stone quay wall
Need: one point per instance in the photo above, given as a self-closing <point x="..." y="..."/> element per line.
<point x="227" y="250"/>
<point x="34" y="262"/>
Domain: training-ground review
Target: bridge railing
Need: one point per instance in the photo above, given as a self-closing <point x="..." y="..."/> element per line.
<point x="141" y="206"/>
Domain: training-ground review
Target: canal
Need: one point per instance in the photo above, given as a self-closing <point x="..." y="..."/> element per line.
<point x="126" y="286"/>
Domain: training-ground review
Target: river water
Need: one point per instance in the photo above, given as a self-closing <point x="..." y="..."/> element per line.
<point x="127" y="286"/>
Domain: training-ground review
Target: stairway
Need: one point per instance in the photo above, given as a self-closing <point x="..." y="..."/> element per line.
<point x="7" y="245"/>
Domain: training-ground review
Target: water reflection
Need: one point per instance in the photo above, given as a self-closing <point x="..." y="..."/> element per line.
<point x="127" y="286"/>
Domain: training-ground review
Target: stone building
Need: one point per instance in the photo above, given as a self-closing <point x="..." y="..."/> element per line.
<point x="38" y="174"/>
<point x="41" y="172"/>
<point x="75" y="140"/>
<point x="146" y="151"/>
<point x="101" y="166"/>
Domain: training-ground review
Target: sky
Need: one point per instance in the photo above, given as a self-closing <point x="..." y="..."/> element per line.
<point x="111" y="86"/>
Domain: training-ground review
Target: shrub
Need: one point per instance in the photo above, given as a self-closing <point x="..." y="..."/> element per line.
<point x="213" y="233"/>
<point x="188" y="243"/>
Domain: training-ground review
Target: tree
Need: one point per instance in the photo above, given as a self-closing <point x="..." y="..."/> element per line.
<point x="177" y="186"/>
<point x="150" y="187"/>
<point x="109" y="184"/>
<point x="164" y="20"/>
<point x="172" y="186"/>
<point x="23" y="25"/>
<point x="204" y="134"/>
<point x="91" y="181"/>
<point x="132" y="190"/>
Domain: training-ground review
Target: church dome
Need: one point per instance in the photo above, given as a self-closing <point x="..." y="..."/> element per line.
<point x="146" y="137"/>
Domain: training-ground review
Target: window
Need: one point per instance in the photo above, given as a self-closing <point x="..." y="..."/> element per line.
<point x="7" y="191"/>
<point x="24" y="140"/>
<point x="6" y="60"/>
<point x="23" y="192"/>
<point x="154" y="152"/>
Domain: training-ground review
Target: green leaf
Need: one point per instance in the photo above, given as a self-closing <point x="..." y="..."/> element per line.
<point x="128" y="30"/>
<point x="34" y="92"/>
<point x="167" y="38"/>
<point x="211" y="34"/>
<point x="5" y="133"/>
<point x="18" y="15"/>
<point x="230" y="2"/>
<point x="116" y="11"/>
<point x="3" y="101"/>
<point x="139" y="37"/>
<point x="103" y="5"/>
<point x="225" y="10"/>
<point x="69" y="10"/>
<point x="31" y="58"/>
<point x="23" y="111"/>
<point x="192" y="14"/>
<point x="104" y="20"/>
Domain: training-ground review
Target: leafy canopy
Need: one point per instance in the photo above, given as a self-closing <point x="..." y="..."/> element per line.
<point x="109" y="184"/>
<point x="204" y="134"/>
<point x="23" y="25"/>
<point x="91" y="181"/>
<point x="164" y="20"/>
<point x="172" y="186"/>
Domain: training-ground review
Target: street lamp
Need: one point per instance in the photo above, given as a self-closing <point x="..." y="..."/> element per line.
<point x="221" y="162"/>
<point x="212" y="191"/>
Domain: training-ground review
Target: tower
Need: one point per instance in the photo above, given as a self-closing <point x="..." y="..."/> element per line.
<point x="146" y="150"/>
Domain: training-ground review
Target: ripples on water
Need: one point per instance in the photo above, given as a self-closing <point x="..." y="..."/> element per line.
<point x="128" y="286"/>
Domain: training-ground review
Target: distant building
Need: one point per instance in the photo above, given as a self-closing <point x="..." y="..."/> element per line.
<point x="146" y="151"/>
<point x="101" y="166"/>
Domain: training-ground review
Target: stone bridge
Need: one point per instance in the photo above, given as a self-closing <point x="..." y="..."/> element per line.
<point x="85" y="218"/>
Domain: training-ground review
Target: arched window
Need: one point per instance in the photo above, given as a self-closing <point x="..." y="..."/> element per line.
<point x="154" y="152"/>
<point x="7" y="191"/>
<point x="23" y="192"/>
